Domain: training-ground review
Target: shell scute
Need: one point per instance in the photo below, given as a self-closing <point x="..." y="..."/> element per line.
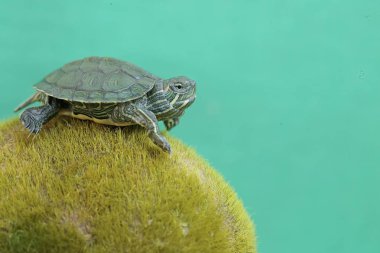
<point x="134" y="71"/>
<point x="110" y="95"/>
<point x="98" y="79"/>
<point x="80" y="95"/>
<point x="109" y="67"/>
<point x="70" y="80"/>
<point x="54" y="77"/>
<point x="72" y="66"/>
<point x="69" y="93"/>
<point x="95" y="94"/>
<point x="89" y="65"/>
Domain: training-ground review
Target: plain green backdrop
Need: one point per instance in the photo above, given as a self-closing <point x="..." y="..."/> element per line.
<point x="288" y="106"/>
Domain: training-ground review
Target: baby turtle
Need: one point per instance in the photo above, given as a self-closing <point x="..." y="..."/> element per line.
<point x="113" y="92"/>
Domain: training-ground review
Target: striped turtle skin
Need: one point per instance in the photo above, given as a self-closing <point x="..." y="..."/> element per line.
<point x="113" y="92"/>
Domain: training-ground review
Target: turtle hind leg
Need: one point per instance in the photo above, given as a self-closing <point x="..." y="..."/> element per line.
<point x="35" y="117"/>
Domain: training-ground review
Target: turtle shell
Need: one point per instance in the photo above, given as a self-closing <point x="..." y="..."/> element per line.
<point x="97" y="80"/>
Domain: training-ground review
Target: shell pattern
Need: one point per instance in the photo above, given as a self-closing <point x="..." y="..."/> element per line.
<point x="98" y="80"/>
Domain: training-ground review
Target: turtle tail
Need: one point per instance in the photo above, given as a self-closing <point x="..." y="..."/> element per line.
<point x="34" y="98"/>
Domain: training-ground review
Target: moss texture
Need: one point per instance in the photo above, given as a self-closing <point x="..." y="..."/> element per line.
<point x="83" y="187"/>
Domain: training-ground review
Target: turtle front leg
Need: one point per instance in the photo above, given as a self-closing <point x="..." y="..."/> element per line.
<point x="33" y="118"/>
<point x="147" y="119"/>
<point x="140" y="115"/>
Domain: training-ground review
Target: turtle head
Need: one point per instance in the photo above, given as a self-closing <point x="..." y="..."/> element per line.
<point x="180" y="92"/>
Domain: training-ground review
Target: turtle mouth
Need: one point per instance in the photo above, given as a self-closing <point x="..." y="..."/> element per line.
<point x="191" y="100"/>
<point x="188" y="102"/>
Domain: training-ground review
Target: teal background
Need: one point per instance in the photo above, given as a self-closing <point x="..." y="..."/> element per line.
<point x="288" y="106"/>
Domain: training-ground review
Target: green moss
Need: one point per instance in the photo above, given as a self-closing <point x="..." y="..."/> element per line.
<point x="84" y="187"/>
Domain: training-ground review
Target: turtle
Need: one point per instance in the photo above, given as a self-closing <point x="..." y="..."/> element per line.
<point x="110" y="91"/>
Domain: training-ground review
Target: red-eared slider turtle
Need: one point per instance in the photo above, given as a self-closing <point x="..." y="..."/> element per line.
<point x="112" y="92"/>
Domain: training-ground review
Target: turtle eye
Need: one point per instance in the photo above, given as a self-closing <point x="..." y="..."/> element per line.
<point x="179" y="86"/>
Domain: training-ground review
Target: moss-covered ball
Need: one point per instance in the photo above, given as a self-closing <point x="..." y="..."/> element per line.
<point x="83" y="187"/>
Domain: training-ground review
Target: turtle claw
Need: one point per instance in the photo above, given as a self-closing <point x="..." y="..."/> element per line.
<point x="30" y="122"/>
<point x="166" y="147"/>
<point x="162" y="143"/>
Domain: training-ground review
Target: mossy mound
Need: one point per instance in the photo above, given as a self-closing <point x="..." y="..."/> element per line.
<point x="83" y="187"/>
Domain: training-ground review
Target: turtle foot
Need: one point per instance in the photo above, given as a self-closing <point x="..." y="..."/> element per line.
<point x="31" y="121"/>
<point x="162" y="143"/>
<point x="166" y="147"/>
